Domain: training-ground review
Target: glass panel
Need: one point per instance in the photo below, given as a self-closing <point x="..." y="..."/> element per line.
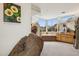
<point x="65" y="21"/>
<point x="52" y="24"/>
<point x="42" y="24"/>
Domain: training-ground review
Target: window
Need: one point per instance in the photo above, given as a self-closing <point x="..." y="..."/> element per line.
<point x="42" y="24"/>
<point x="53" y="25"/>
<point x="48" y="25"/>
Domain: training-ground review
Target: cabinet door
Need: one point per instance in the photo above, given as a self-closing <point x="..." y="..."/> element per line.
<point x="70" y="39"/>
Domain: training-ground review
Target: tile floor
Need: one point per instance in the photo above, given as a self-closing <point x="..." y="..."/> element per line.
<point x="59" y="49"/>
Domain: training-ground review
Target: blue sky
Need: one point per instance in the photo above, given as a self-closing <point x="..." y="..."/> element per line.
<point x="65" y="18"/>
<point x="41" y="22"/>
<point x="52" y="21"/>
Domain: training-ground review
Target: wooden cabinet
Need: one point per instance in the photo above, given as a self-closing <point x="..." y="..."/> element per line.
<point x="49" y="38"/>
<point x="65" y="37"/>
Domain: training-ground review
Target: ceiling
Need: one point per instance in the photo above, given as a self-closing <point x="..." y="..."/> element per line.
<point x="49" y="10"/>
